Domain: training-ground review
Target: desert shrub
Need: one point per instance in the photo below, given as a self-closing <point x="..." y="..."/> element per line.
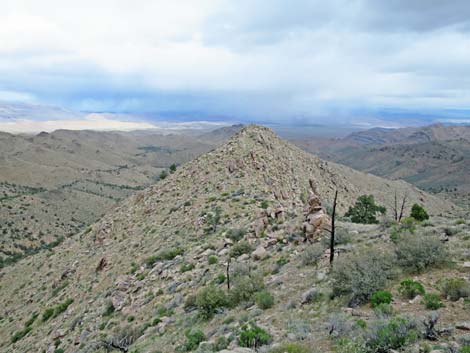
<point x="165" y="254"/>
<point x="416" y="253"/>
<point x="290" y="347"/>
<point x="410" y="289"/>
<point x="109" y="308"/>
<point x="383" y="310"/>
<point x="380" y="297"/>
<point x="240" y="248"/>
<point x="365" y="210"/>
<point x="253" y="336"/>
<point x="245" y="287"/>
<point x="264" y="299"/>
<point x="20" y="334"/>
<point x="312" y="254"/>
<point x="432" y="301"/>
<point x="193" y="338"/>
<point x="451" y="231"/>
<point x="221" y="343"/>
<point x="395" y="333"/>
<point x="212" y="259"/>
<point x="163" y="174"/>
<point x="342" y="236"/>
<point x="236" y="234"/>
<point x="220" y="278"/>
<point x="358" y="275"/>
<point x="209" y="299"/>
<point x="123" y="337"/>
<point x="456" y="288"/>
<point x="56" y="310"/>
<point x="185" y="267"/>
<point x="419" y="213"/>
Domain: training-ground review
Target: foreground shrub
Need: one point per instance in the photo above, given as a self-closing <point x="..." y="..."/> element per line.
<point x="416" y="253"/>
<point x="380" y="297"/>
<point x="360" y="274"/>
<point x="395" y="333"/>
<point x="264" y="300"/>
<point x="209" y="299"/>
<point x="253" y="336"/>
<point x="456" y="288"/>
<point x="432" y="301"/>
<point x="410" y="289"/>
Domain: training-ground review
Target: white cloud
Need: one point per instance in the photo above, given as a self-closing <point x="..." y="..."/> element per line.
<point x="269" y="57"/>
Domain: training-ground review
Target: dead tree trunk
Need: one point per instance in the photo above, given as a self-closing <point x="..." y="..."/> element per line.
<point x="228" y="274"/>
<point x="332" y="230"/>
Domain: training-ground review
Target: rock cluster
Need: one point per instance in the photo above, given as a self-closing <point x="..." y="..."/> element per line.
<point x="315" y="215"/>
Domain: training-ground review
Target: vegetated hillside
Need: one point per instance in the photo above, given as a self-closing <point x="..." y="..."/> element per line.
<point x="435" y="158"/>
<point x="54" y="184"/>
<point x="157" y="265"/>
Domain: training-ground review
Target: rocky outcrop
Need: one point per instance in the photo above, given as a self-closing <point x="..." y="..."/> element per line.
<point x="315" y="215"/>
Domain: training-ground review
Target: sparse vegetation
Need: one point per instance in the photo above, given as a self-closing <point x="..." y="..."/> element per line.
<point x="56" y="310"/>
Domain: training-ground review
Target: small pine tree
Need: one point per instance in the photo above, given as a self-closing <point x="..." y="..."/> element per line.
<point x="173" y="168"/>
<point x="365" y="210"/>
<point x="419" y="213"/>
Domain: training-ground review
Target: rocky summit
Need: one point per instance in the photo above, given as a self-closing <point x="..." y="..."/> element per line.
<point x="230" y="246"/>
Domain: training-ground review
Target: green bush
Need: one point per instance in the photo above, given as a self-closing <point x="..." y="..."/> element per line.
<point x="312" y="254"/>
<point x="380" y="297"/>
<point x="209" y="299"/>
<point x="253" y="336"/>
<point x="240" y="248"/>
<point x="365" y="210"/>
<point x="410" y="289"/>
<point x="456" y="288"/>
<point x="419" y="213"/>
<point x="264" y="300"/>
<point x="432" y="301"/>
<point x="212" y="259"/>
<point x="56" y="310"/>
<point x="391" y="334"/>
<point x="464" y="349"/>
<point x="358" y="275"/>
<point x="416" y="253"/>
<point x="20" y="334"/>
<point x="193" y="338"/>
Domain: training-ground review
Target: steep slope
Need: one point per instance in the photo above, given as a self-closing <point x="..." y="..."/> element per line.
<point x="150" y="255"/>
<point x="435" y="158"/>
<point x="54" y="184"/>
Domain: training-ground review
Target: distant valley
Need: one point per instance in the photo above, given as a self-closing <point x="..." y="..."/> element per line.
<point x="53" y="185"/>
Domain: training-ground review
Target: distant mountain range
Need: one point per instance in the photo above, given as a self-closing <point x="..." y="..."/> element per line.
<point x="435" y="158"/>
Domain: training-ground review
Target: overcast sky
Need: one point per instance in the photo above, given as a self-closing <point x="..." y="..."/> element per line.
<point x="258" y="59"/>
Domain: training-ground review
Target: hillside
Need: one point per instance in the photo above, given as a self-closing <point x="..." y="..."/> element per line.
<point x="435" y="158"/>
<point x="129" y="280"/>
<point x="54" y="184"/>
